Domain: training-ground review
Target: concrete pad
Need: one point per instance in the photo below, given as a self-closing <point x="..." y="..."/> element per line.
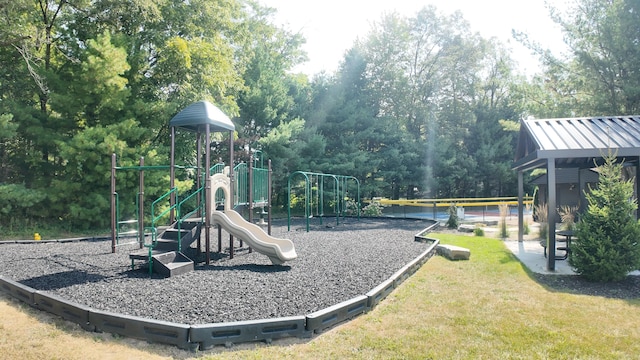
<point x="531" y="254"/>
<point x="453" y="252"/>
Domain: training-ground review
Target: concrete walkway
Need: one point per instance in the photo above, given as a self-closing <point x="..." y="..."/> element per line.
<point x="531" y="254"/>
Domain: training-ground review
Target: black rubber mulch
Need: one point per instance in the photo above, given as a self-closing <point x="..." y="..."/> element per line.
<point x="335" y="263"/>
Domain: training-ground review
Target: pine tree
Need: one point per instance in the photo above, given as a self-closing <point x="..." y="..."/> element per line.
<point x="608" y="233"/>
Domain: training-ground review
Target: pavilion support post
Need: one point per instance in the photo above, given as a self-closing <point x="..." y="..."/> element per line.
<point x="199" y="171"/>
<point x="209" y="196"/>
<point x="520" y="206"/>
<point x="141" y="206"/>
<point x="551" y="214"/>
<point x="269" y="173"/>
<point x="113" y="204"/>
<point x="251" y="185"/>
<point x="232" y="178"/>
<point x="232" y="186"/>
<point x="199" y="185"/>
<point x="172" y="175"/>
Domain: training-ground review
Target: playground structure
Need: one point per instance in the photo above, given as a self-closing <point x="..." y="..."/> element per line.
<point x="340" y="195"/>
<point x="188" y="216"/>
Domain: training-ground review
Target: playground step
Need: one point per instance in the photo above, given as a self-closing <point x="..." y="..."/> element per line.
<point x="165" y="249"/>
<point x="175" y="234"/>
<point x="143" y="254"/>
<point x="192" y="222"/>
<point x="172" y="263"/>
<point x="166" y="244"/>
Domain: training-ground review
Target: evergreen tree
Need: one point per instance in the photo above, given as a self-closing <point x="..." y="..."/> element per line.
<point x="608" y="233"/>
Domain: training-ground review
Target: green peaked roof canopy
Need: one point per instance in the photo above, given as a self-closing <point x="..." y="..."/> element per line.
<point x="195" y="116"/>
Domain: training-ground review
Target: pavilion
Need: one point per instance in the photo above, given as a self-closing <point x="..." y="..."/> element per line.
<point x="572" y="143"/>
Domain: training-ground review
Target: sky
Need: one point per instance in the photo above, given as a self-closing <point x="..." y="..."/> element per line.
<point x="331" y="26"/>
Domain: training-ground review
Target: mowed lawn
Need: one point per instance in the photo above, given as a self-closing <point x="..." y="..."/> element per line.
<point x="485" y="308"/>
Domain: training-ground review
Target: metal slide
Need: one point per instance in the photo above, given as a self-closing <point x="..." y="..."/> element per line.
<point x="278" y="250"/>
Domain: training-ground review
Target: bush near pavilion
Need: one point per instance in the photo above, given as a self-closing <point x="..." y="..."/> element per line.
<point x="607" y="248"/>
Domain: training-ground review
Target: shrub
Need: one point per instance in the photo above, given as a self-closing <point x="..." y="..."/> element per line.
<point x="478" y="231"/>
<point x="373" y="209"/>
<point x="351" y="208"/>
<point x="607" y="247"/>
<point x="453" y="221"/>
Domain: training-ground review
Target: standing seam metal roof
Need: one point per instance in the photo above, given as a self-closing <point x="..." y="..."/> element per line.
<point x="571" y="138"/>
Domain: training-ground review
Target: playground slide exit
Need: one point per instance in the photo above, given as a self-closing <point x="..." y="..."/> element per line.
<point x="278" y="250"/>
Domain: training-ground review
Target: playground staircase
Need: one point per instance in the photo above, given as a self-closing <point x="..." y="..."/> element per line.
<point x="163" y="255"/>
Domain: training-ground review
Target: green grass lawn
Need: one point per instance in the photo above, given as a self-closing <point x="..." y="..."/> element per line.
<point x="485" y="308"/>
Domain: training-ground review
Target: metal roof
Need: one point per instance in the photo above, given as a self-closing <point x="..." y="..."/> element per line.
<point x="201" y="113"/>
<point x="575" y="142"/>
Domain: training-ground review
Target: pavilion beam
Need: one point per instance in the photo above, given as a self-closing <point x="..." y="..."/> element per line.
<point x="551" y="214"/>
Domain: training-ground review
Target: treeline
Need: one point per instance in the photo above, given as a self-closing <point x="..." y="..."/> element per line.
<point x="420" y="107"/>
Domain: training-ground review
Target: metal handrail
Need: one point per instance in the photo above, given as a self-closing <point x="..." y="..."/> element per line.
<point x="154" y="218"/>
<point x="194" y="211"/>
<point x="154" y="233"/>
<point x="217" y="168"/>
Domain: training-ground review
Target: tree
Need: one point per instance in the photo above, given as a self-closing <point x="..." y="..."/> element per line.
<point x="491" y="139"/>
<point x="268" y="53"/>
<point x="442" y="91"/>
<point x="7" y="133"/>
<point x="347" y="117"/>
<point x="599" y="74"/>
<point x="79" y="77"/>
<point x="608" y="234"/>
<point x="603" y="35"/>
<point x="295" y="147"/>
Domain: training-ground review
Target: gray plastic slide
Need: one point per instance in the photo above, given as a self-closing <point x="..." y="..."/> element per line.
<point x="278" y="250"/>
